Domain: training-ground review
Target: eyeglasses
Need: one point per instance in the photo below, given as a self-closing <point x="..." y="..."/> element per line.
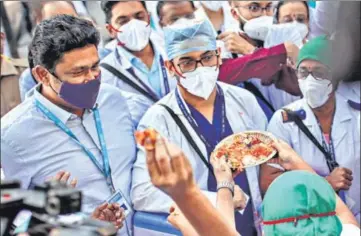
<point x="257" y="10"/>
<point x="190" y="65"/>
<point x="318" y="74"/>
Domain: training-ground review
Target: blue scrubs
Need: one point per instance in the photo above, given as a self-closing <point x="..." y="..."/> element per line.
<point x="213" y="134"/>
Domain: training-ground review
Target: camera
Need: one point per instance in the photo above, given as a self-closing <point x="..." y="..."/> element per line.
<point x="48" y="204"/>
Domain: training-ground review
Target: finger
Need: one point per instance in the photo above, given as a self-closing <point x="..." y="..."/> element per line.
<point x="348" y="177"/>
<point x="73" y="183"/>
<point x="153" y="169"/>
<point x="109" y="215"/>
<point x="224" y="35"/>
<point x="97" y="212"/>
<point x="58" y="176"/>
<point x="348" y="171"/>
<point x="163" y="157"/>
<point x="179" y="162"/>
<point x="65" y="177"/>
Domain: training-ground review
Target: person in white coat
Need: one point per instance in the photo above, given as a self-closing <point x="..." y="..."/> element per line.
<point x="332" y="146"/>
<point x="209" y="112"/>
<point x="137" y="63"/>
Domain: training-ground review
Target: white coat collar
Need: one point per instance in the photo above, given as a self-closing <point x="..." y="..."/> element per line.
<point x="342" y="113"/>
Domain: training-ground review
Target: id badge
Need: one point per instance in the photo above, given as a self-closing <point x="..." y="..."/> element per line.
<point x="118" y="197"/>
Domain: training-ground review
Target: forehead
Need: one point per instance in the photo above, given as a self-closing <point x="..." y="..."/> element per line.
<point x="246" y="3"/>
<point x="128" y="8"/>
<point x="177" y="9"/>
<point x="311" y="64"/>
<point x="293" y="8"/>
<point x="80" y="57"/>
<point x="191" y="55"/>
<point x="51" y="9"/>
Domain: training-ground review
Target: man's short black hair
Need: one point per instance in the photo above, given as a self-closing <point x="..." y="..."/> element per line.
<point x="107" y="7"/>
<point x="58" y="35"/>
<point x="161" y="4"/>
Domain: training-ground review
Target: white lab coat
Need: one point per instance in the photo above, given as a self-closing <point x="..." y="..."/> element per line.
<point x="276" y="97"/>
<point x="243" y="113"/>
<point x="345" y="135"/>
<point x="350" y="90"/>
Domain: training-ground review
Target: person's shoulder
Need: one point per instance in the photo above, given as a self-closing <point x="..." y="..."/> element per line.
<point x="237" y="92"/>
<point x="18" y="119"/>
<point x="297" y="107"/>
<point x="110" y="95"/>
<point x="110" y="58"/>
<point x="157" y="111"/>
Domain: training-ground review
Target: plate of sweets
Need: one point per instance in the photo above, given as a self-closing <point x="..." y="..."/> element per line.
<point x="246" y="149"/>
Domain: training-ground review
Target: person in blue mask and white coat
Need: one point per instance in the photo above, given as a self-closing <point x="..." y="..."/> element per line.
<point x="322" y="127"/>
<point x="205" y="109"/>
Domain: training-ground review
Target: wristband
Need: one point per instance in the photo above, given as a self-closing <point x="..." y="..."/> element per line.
<point x="226" y="184"/>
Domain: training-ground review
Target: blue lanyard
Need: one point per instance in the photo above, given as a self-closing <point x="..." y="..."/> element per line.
<point x="329" y="148"/>
<point x="149" y="90"/>
<point x="105" y="170"/>
<point x="195" y="125"/>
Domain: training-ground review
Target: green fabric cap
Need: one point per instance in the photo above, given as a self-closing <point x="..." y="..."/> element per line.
<point x="295" y="194"/>
<point x="318" y="49"/>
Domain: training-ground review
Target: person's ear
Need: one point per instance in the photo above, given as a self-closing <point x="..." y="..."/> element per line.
<point x="219" y="51"/>
<point x="170" y="67"/>
<point x="111" y="31"/>
<point x="41" y="75"/>
<point x="235" y="14"/>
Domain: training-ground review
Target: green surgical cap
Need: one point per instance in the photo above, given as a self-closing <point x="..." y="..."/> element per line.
<point x="318" y="49"/>
<point x="299" y="193"/>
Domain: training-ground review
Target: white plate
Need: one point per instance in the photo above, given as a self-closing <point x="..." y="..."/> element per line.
<point x="265" y="137"/>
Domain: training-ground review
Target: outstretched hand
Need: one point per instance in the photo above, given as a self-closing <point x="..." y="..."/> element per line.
<point x="169" y="169"/>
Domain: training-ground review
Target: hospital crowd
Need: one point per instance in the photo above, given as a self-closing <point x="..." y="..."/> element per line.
<point x="197" y="72"/>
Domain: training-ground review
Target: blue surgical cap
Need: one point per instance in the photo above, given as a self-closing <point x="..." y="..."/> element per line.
<point x="189" y="35"/>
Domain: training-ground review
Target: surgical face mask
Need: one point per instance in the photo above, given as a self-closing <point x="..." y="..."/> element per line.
<point x="258" y="28"/>
<point x="213" y="5"/>
<point x="315" y="91"/>
<point x="82" y="95"/>
<point x="134" y="35"/>
<point x="201" y="82"/>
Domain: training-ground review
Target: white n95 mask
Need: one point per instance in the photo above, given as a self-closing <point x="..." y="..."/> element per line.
<point x="316" y="92"/>
<point x="201" y="82"/>
<point x="213" y="5"/>
<point x="258" y="28"/>
<point x="134" y="35"/>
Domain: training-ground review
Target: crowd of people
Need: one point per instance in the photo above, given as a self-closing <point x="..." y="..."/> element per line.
<point x="196" y="72"/>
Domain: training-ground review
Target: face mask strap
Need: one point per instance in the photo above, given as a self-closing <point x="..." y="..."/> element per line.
<point x="177" y="72"/>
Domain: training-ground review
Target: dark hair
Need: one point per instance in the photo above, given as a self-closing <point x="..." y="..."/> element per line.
<point x="281" y="3"/>
<point x="58" y="35"/>
<point x="107" y="7"/>
<point x="161" y="4"/>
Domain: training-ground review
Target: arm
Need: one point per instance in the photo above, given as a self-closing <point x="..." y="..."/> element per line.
<point x="262" y="64"/>
<point x="170" y="171"/>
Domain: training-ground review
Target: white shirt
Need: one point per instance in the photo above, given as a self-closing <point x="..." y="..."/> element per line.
<point x="33" y="148"/>
<point x="350" y="230"/>
<point x="346" y="140"/>
<point x="350" y="90"/>
<point x="243" y="113"/>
